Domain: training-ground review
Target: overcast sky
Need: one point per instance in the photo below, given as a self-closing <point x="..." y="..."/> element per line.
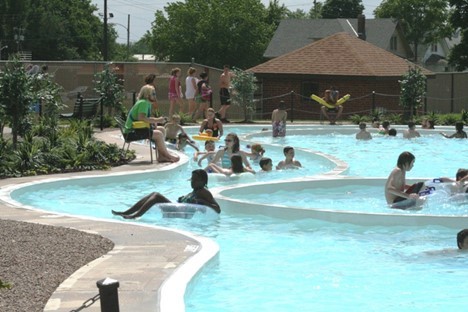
<point x="142" y="13"/>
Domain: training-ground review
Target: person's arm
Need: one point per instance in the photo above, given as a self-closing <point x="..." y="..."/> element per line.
<point x="218" y="169"/>
<point x="217" y="157"/>
<point x="204" y="197"/>
<point x="448" y="136"/>
<point x="273" y="116"/>
<point x="151" y="120"/>
<point x="202" y="126"/>
<point x="244" y="159"/>
<point x="220" y="128"/>
<point x="189" y="142"/>
<point x="285" y="117"/>
<point x="393" y="188"/>
<point x="247" y="169"/>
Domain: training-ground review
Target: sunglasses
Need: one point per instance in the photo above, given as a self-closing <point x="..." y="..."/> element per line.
<point x="228" y="140"/>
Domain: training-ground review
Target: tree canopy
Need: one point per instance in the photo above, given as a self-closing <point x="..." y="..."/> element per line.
<point x="459" y="19"/>
<point x="53" y="29"/>
<point x="423" y="21"/>
<point x="342" y="8"/>
<point x="214" y="32"/>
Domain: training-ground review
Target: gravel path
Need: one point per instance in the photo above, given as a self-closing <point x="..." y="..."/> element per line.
<point x="35" y="259"/>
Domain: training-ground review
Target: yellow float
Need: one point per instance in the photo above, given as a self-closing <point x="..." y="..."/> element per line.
<point x="322" y="101"/>
<point x="204" y="137"/>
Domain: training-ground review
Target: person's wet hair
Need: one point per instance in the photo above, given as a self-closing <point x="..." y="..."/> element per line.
<point x="461" y="238"/>
<point x="405" y="159"/>
<point x="459" y="125"/>
<point x="386" y="124"/>
<point x="287" y="149"/>
<point x="392" y="132"/>
<point x="236" y="144"/>
<point x="202" y="174"/>
<point x="236" y="164"/>
<point x="264" y="161"/>
<point x="362" y="125"/>
<point x="461" y="173"/>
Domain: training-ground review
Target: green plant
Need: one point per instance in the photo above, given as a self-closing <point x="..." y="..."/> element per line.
<point x="449" y="119"/>
<point x="16" y="97"/>
<point x="413" y="89"/>
<point x="244" y="85"/>
<point x="464" y="116"/>
<point x="110" y="87"/>
<point x="357" y="119"/>
<point x="395" y="119"/>
<point x="4" y="284"/>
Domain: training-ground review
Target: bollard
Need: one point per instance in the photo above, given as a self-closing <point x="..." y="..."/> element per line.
<point x="108" y="294"/>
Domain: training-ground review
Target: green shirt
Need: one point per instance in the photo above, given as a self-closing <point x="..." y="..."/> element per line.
<point x="141" y="106"/>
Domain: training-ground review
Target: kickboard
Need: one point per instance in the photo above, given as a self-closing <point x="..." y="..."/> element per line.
<point x="322" y="101"/>
<point x="204" y="138"/>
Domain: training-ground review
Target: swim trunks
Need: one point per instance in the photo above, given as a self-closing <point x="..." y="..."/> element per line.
<point x="224" y="96"/>
<point x="279" y="128"/>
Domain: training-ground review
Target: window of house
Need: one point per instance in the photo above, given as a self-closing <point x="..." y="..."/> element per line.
<point x="434" y="47"/>
<point x="393" y="43"/>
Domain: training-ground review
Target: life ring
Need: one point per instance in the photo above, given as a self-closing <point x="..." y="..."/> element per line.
<point x="436" y="185"/>
<point x="323" y="102"/>
<point x="184" y="210"/>
<point x="236" y="177"/>
<point x="204" y="137"/>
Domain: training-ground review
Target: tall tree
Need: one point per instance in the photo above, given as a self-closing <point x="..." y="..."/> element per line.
<point x="275" y="13"/>
<point x="423" y="21"/>
<point x="214" y="32"/>
<point x="459" y="20"/>
<point x="342" y="8"/>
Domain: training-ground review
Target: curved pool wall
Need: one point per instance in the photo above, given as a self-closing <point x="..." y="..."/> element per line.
<point x="226" y="198"/>
<point x="173" y="289"/>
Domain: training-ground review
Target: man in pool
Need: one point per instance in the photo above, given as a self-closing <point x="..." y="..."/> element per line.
<point x="200" y="195"/>
<point x="462" y="239"/>
<point x="289" y="162"/>
<point x="397" y="193"/>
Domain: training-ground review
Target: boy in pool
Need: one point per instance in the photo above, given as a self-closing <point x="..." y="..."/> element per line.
<point x="289" y="162"/>
<point x="266" y="164"/>
<point x="208" y="154"/>
<point x="173" y="128"/>
<point x="411" y="132"/>
<point x="183" y="140"/>
<point x="462" y="239"/>
<point x="397" y="193"/>
<point x="363" y="134"/>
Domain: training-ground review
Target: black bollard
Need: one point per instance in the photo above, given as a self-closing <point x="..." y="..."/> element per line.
<point x="109" y="294"/>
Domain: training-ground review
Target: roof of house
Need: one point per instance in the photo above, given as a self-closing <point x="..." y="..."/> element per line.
<point x="340" y="54"/>
<point x="293" y="34"/>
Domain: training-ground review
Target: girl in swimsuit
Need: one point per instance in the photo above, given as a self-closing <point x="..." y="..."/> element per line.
<point x="232" y="147"/>
<point x="199" y="195"/>
<point x="237" y="166"/>
<point x="212" y="123"/>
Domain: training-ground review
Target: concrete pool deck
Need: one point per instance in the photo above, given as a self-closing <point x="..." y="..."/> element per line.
<point x="142" y="259"/>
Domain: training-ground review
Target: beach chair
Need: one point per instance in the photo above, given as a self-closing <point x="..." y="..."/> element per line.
<point x="121" y="124"/>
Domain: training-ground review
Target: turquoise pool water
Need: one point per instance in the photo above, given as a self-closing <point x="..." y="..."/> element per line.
<point x="266" y="264"/>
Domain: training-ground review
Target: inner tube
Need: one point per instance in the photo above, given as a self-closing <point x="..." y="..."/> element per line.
<point x="184" y="210"/>
<point x="237" y="177"/>
<point x="436" y="185"/>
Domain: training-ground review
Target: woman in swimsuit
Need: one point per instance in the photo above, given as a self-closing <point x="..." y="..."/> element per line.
<point x="232" y="148"/>
<point x="212" y="123"/>
<point x="237" y="167"/>
<point x="200" y="195"/>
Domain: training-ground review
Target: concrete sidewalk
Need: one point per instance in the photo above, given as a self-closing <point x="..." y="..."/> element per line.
<point x="143" y="256"/>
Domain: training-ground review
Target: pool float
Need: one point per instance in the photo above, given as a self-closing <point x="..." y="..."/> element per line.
<point x="240" y="177"/>
<point x="140" y="125"/>
<point x="323" y="102"/>
<point x="436" y="185"/>
<point x="204" y="137"/>
<point x="184" y="210"/>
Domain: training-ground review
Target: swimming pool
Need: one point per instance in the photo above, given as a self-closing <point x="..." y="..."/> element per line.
<point x="284" y="261"/>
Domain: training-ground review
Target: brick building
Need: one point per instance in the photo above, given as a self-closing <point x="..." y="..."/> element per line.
<point x="342" y="60"/>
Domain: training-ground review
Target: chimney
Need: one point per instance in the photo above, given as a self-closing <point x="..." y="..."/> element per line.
<point x="361" y="26"/>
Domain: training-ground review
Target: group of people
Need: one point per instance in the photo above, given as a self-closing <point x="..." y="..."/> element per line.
<point x="198" y="93"/>
<point x="411" y="132"/>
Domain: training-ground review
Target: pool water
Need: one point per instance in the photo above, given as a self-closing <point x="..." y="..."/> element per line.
<point x="267" y="264"/>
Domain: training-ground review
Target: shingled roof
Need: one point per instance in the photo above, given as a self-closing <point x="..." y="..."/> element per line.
<point x="340" y="54"/>
<point x="293" y="34"/>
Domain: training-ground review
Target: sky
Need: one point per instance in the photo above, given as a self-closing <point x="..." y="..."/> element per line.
<point x="142" y="13"/>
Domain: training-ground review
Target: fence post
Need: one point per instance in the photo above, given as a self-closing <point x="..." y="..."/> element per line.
<point x="102" y="112"/>
<point x="108" y="294"/>
<point x="292" y="106"/>
<point x="80" y="107"/>
<point x="373" y="100"/>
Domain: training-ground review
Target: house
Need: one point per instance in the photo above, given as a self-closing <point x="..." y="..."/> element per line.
<point x="369" y="73"/>
<point x="293" y="34"/>
<point x="435" y="56"/>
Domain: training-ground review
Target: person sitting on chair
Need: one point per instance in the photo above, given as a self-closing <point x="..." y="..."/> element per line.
<point x="331" y="96"/>
<point x="141" y="111"/>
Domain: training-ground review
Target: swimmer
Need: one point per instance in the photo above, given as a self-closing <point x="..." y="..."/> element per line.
<point x="183" y="140"/>
<point x="237" y="166"/>
<point x="397" y="193"/>
<point x="173" y="128"/>
<point x="392" y="132"/>
<point x="256" y="153"/>
<point x="461" y="181"/>
<point x="363" y="134"/>
<point x="459" y="134"/>
<point x="199" y="195"/>
<point x="289" y="162"/>
<point x="208" y="154"/>
<point x="462" y="239"/>
<point x="266" y="164"/>
<point x="411" y="132"/>
<point x="384" y="127"/>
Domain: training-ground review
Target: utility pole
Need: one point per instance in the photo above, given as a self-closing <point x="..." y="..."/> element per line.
<point x="105" y="56"/>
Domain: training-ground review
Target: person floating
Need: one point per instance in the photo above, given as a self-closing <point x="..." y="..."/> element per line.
<point x="199" y="195"/>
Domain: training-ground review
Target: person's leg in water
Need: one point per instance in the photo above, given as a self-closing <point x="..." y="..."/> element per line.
<point x="142" y="206"/>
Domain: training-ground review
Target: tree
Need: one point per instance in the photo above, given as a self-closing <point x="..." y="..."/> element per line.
<point x="413" y="89"/>
<point x="459" y="19"/>
<point x="111" y="89"/>
<point x="214" y="32"/>
<point x="342" y="8"/>
<point x="16" y="97"/>
<point x="244" y="85"/>
<point x="275" y="13"/>
<point x="316" y="10"/>
<point x="423" y="21"/>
